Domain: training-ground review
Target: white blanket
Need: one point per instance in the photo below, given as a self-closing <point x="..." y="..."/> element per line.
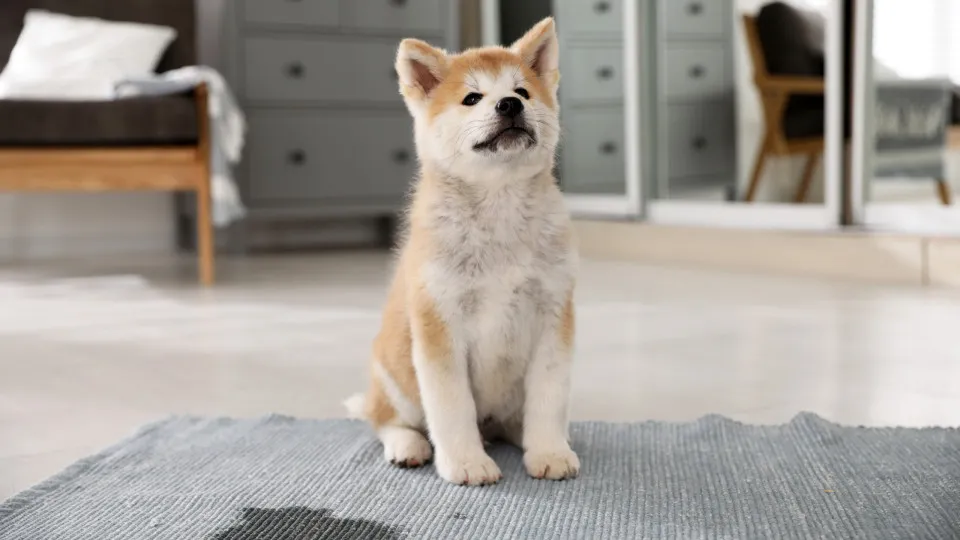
<point x="227" y="129"/>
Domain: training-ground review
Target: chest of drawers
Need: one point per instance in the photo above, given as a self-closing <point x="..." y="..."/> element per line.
<point x="592" y="157"/>
<point x="329" y="135"/>
<point x="687" y="88"/>
<point x="693" y="98"/>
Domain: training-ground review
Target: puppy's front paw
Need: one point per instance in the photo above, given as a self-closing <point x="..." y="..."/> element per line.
<point x="406" y="448"/>
<point x="552" y="463"/>
<point x="473" y="470"/>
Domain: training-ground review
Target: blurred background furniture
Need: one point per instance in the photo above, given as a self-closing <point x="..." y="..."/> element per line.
<point x="146" y="143"/>
<point x="693" y="97"/>
<point x="329" y="136"/>
<point x="592" y="154"/>
<point x="911" y="119"/>
<point x="786" y="47"/>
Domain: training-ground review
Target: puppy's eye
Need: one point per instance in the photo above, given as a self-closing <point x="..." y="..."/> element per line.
<point x="523" y="93"/>
<point x="472" y="99"/>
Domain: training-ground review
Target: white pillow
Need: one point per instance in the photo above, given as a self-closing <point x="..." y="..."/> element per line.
<point x="64" y="57"/>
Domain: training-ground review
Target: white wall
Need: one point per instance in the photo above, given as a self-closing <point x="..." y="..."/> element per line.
<point x="917" y="39"/>
<point x="49" y="225"/>
<point x="781" y="175"/>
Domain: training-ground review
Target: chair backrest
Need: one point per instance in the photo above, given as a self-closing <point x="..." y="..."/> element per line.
<point x="178" y="14"/>
<point x="755" y="47"/>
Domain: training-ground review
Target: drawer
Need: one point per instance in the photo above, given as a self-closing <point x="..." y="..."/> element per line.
<point x="425" y="16"/>
<point x="295" y="156"/>
<point x="323" y="69"/>
<point x="695" y="70"/>
<point x="685" y="18"/>
<point x="592" y="157"/>
<point x="591" y="17"/>
<point x="300" y="13"/>
<point x="700" y="139"/>
<point x="594" y="73"/>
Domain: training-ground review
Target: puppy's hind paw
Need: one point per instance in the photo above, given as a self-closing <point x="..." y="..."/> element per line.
<point x="405" y="448"/>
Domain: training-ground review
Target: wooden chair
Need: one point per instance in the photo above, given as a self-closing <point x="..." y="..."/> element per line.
<point x="775" y="92"/>
<point x="135" y="168"/>
<point x="157" y="143"/>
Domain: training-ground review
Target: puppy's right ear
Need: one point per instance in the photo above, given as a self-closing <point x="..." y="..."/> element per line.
<point x="420" y="68"/>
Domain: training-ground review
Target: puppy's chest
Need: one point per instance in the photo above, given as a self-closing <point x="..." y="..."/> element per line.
<point x="500" y="269"/>
<point x="497" y="280"/>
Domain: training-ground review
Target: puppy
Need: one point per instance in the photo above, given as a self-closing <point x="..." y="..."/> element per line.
<point x="478" y="327"/>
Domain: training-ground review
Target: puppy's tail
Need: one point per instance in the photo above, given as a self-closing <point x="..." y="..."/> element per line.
<point x="355" y="405"/>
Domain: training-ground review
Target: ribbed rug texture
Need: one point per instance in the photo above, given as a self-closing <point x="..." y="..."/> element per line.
<point x="283" y="478"/>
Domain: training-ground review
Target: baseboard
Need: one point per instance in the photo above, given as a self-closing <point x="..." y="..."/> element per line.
<point x="20" y="248"/>
<point x="879" y="258"/>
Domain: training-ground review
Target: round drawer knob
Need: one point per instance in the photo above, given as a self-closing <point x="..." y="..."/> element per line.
<point x="401" y="156"/>
<point x="699" y="143"/>
<point x="295" y="70"/>
<point x="601" y="7"/>
<point x="695" y="8"/>
<point x="605" y="72"/>
<point x="608" y="147"/>
<point x="297" y="157"/>
<point x="697" y="71"/>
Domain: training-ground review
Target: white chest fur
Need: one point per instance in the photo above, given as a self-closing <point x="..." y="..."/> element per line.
<point x="503" y="264"/>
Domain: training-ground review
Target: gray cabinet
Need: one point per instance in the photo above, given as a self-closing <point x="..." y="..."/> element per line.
<point x="329" y="135"/>
<point x="593" y="149"/>
<point x="693" y="97"/>
<point x="292" y="13"/>
<point x="682" y="19"/>
<point x="335" y="155"/>
<point x="602" y="18"/>
<point x="592" y="157"/>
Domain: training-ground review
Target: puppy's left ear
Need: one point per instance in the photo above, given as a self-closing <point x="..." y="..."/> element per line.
<point x="541" y="51"/>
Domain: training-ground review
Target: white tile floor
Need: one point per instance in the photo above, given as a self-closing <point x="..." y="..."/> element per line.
<point x="85" y="360"/>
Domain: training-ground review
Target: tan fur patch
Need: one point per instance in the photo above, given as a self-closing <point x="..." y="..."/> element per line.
<point x="568" y="323"/>
<point x="393" y="347"/>
<point x="430" y="329"/>
<point x="379" y="411"/>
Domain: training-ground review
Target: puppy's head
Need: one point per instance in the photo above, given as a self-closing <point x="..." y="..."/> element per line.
<point x="484" y="107"/>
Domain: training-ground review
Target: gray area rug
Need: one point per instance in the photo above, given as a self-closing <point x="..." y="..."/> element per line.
<point x="282" y="478"/>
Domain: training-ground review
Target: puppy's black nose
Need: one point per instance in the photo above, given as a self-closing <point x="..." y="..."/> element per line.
<point x="509" y="107"/>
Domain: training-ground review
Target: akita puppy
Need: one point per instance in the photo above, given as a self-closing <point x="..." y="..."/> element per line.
<point x="477" y="332"/>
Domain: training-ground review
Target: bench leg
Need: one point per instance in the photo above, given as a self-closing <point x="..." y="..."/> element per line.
<point x="205" y="242"/>
<point x="943" y="190"/>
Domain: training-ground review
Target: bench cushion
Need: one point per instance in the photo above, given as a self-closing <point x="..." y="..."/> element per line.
<point x="154" y="120"/>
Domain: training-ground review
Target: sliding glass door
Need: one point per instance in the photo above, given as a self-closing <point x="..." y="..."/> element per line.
<point x="906" y="153"/>
<point x="746" y="98"/>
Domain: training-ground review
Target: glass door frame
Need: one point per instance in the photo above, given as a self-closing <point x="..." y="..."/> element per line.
<point x="584" y="205"/>
<point x="630" y="204"/>
<point x="934" y="219"/>
<point x="777" y="215"/>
